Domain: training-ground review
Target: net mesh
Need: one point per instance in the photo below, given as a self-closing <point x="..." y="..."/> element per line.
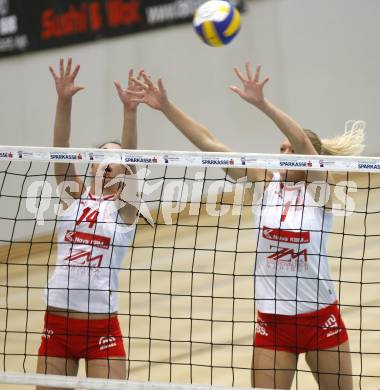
<point x="186" y="286"/>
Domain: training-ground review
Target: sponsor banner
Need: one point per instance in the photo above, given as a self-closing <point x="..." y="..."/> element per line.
<point x="75" y="237"/>
<point x="248" y="161"/>
<point x="98" y="157"/>
<point x="24" y="154"/>
<point x="5" y="155"/>
<point x="326" y="163"/>
<point x="296" y="163"/>
<point x="64" y="156"/>
<point x="43" y="24"/>
<point x="218" y="161"/>
<point x="369" y="165"/>
<point x="175" y="160"/>
<point x="289" y="236"/>
<point x="227" y="160"/>
<point x="134" y="159"/>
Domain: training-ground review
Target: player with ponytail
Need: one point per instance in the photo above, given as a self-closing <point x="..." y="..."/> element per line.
<point x="298" y="311"/>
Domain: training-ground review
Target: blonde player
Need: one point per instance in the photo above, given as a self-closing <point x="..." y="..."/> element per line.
<point x="297" y="304"/>
<point x="93" y="236"/>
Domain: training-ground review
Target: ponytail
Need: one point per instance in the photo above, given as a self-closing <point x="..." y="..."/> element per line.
<point x="350" y="143"/>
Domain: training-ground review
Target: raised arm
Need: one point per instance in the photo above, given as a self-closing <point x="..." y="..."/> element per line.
<point x="252" y="91"/>
<point x="155" y="96"/>
<point x="66" y="89"/>
<point x="129" y="141"/>
<point x="129" y="132"/>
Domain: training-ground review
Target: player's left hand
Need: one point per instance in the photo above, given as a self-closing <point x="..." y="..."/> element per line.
<point x="153" y="95"/>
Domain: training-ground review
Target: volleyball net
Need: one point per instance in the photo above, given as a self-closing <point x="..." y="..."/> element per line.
<point x="186" y="293"/>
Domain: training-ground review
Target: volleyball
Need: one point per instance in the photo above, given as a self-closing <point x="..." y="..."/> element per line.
<point x="217" y="22"/>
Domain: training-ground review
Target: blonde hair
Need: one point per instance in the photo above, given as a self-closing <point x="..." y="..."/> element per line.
<point x="350" y="143"/>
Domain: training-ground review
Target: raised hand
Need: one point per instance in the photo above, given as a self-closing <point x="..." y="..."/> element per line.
<point x="125" y="95"/>
<point x="152" y="95"/>
<point x="64" y="83"/>
<point x="252" y="90"/>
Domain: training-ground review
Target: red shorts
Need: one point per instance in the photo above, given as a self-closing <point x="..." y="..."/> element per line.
<point x="300" y="333"/>
<point x="76" y="338"/>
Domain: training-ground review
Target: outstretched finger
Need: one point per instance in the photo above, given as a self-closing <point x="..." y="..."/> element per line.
<point x="75" y="73"/>
<point x="161" y="87"/>
<point x="236" y="90"/>
<point x="77" y="89"/>
<point x="130" y="75"/>
<point x="61" y="67"/>
<point x="147" y="80"/>
<point x="257" y="74"/>
<point x="262" y="84"/>
<point x="139" y="77"/>
<point x="118" y="86"/>
<point x="239" y="74"/>
<point x="140" y="83"/>
<point x="53" y="73"/>
<point x="68" y="66"/>
<point x="248" y="69"/>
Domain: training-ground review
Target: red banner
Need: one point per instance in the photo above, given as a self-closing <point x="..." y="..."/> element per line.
<point x="282" y="235"/>
<point x="87" y="239"/>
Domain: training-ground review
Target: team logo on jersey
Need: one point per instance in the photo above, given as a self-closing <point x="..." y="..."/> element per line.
<point x="287" y="254"/>
<point x="107" y="342"/>
<point x="81" y="257"/>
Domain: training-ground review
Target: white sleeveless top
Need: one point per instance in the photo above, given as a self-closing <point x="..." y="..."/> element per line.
<point x="291" y="272"/>
<point x="91" y="247"/>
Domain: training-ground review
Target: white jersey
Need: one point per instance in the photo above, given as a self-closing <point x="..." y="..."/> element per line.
<point x="291" y="272"/>
<point x="92" y="243"/>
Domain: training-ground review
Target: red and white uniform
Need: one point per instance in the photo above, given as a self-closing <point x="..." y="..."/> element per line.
<point x="292" y="274"/>
<point x="92" y="243"/>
